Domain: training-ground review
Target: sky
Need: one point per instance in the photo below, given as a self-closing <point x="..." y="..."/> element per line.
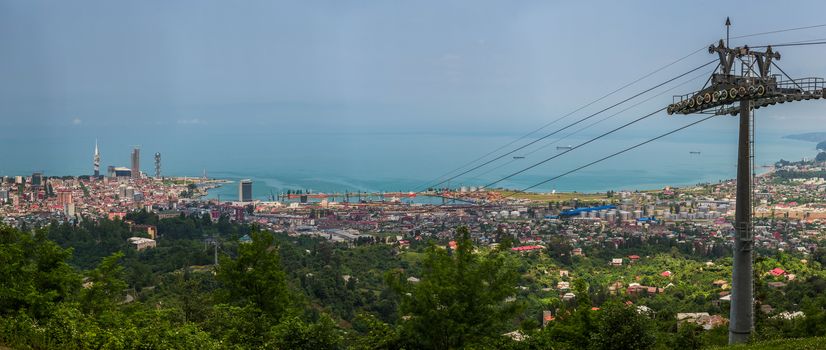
<point x="364" y="65"/>
<point x="269" y="68"/>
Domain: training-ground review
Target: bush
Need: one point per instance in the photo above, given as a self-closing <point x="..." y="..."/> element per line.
<point x="621" y="327"/>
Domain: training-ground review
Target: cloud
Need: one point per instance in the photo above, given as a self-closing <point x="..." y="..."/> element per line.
<point x="190" y="121"/>
<point x="76" y="121"/>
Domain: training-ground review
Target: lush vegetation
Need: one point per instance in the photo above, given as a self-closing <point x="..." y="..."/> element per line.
<point x="790" y="174"/>
<point x="782" y="344"/>
<point x="79" y="286"/>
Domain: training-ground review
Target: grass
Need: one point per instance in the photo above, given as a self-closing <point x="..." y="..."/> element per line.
<point x="412" y="257"/>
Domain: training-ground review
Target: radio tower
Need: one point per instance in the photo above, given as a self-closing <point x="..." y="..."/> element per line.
<point x="735" y="91"/>
<point x="158" y="165"/>
<point x="96" y="160"/>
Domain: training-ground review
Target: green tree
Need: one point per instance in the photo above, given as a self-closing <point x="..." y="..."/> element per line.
<point x="105" y="286"/>
<point x="689" y="337"/>
<point x="190" y="294"/>
<point x="375" y="334"/>
<point x="294" y="334"/>
<point x="34" y="273"/>
<point x="240" y="326"/>
<point x="255" y="277"/>
<point x="620" y="327"/>
<point x="461" y="298"/>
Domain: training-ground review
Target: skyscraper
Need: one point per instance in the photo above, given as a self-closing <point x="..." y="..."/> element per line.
<point x="136" y="162"/>
<point x="64" y="197"/>
<point x="245" y="191"/>
<point x="37" y="181"/>
<point x="158" y="165"/>
<point x="96" y="160"/>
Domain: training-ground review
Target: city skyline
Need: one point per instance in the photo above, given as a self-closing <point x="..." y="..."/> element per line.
<point x="412" y="175"/>
<point x="399" y="93"/>
<point x="399" y="102"/>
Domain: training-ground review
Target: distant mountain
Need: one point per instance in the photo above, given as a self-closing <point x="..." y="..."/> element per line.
<point x="809" y="136"/>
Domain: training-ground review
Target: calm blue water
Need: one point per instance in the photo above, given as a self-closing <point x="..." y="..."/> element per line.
<point x="277" y="160"/>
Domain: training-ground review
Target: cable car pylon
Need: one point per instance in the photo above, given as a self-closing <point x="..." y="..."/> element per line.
<point x="732" y="91"/>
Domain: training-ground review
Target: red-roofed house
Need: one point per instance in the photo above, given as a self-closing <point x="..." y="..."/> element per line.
<point x="777" y="271"/>
<point x="547" y="317"/>
<point x="527" y="248"/>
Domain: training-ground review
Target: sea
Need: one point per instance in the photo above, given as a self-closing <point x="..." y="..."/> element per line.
<point x="394" y="161"/>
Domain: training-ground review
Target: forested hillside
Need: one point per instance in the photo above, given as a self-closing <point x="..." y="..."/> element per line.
<point x="82" y="286"/>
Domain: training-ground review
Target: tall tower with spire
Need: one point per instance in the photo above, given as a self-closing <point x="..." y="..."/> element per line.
<point x="96" y="161"/>
<point x="157" y="165"/>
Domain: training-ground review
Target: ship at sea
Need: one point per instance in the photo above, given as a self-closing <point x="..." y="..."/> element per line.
<point x="694" y="152"/>
<point x="564" y="147"/>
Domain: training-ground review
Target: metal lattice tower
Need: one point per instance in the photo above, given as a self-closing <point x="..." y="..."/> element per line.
<point x="732" y="91"/>
<point x="158" y="165"/>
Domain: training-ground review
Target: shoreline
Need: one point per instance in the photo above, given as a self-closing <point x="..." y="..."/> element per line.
<point x="761" y="171"/>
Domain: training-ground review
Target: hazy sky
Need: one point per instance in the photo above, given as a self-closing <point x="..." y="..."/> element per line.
<point x="330" y="66"/>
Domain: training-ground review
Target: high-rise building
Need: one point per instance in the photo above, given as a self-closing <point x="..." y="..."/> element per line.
<point x="245" y="190"/>
<point x="158" y="165"/>
<point x="96" y="160"/>
<point x="136" y="162"/>
<point x="37" y="181"/>
<point x="121" y="172"/>
<point x="64" y="197"/>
